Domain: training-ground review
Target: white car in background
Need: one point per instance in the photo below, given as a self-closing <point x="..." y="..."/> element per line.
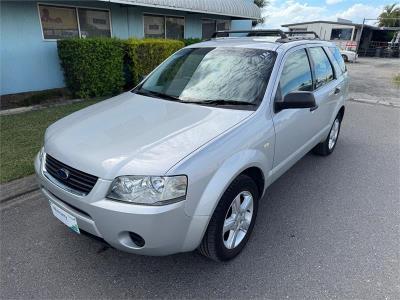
<point x="349" y="56"/>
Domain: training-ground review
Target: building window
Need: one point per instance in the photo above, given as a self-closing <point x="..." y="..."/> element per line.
<point x="223" y="25"/>
<point x="175" y="28"/>
<point x="62" y="22"/>
<point x="341" y="34"/>
<point x="164" y="27"/>
<point x="297" y="29"/>
<point x="58" y="22"/>
<point x="209" y="26"/>
<point x="94" y="22"/>
<point x="154" y="26"/>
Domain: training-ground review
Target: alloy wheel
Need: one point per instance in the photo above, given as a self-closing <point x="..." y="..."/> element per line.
<point x="238" y="219"/>
<point x="333" y="135"/>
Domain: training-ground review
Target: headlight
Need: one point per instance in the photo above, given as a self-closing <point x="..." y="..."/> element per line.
<point x="149" y="190"/>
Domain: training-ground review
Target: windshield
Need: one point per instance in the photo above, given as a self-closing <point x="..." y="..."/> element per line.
<point x="212" y="76"/>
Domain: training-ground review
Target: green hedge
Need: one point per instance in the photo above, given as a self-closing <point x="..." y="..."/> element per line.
<point x="92" y="67"/>
<point x="192" y="41"/>
<point x="143" y="55"/>
<point x="104" y="66"/>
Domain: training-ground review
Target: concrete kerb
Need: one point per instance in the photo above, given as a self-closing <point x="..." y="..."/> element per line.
<point x="17" y="188"/>
<point x="20" y="110"/>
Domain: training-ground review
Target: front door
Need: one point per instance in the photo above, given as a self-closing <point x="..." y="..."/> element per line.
<point x="294" y="128"/>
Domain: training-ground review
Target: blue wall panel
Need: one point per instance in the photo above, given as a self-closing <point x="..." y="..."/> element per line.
<point x="29" y="63"/>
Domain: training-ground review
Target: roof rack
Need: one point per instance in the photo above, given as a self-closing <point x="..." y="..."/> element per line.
<point x="261" y="32"/>
<point x="302" y="32"/>
<point x="285" y="37"/>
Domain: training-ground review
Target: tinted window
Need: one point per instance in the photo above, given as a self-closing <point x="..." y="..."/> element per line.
<point x="62" y="22"/>
<point x="94" y="23"/>
<point x="223" y="24"/>
<point x="209" y="26"/>
<point x="58" y="22"/>
<point x="175" y="28"/>
<point x="341" y="34"/>
<point x="211" y="74"/>
<point x="322" y="66"/>
<point x="154" y="26"/>
<point x="338" y="58"/>
<point x="296" y="74"/>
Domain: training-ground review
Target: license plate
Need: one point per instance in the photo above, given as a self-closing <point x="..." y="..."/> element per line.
<point x="65" y="217"/>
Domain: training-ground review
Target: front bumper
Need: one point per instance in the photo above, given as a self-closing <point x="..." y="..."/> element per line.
<point x="165" y="229"/>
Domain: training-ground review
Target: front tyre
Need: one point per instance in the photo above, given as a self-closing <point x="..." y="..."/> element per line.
<point x="326" y="147"/>
<point x="232" y="222"/>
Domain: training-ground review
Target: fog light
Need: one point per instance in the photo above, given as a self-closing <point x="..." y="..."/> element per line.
<point x="137" y="239"/>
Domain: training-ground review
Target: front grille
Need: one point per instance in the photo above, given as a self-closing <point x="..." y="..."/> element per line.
<point x="76" y="180"/>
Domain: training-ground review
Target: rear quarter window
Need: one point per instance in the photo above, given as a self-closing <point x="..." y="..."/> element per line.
<point x="338" y="58"/>
<point x="322" y="67"/>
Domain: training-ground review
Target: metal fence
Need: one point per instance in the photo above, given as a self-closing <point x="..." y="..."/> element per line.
<point x="372" y="49"/>
<point x="378" y="49"/>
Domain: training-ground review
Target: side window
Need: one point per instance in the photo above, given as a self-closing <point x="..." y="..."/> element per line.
<point x="322" y="66"/>
<point x="296" y="74"/>
<point x="338" y="57"/>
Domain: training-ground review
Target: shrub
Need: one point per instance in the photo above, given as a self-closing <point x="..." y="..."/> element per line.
<point x="143" y="55"/>
<point x="92" y="67"/>
<point x="192" y="41"/>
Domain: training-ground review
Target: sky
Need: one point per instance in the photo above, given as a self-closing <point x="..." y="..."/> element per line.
<point x="294" y="11"/>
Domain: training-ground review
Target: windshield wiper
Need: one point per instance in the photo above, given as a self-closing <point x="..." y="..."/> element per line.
<point x="225" y="102"/>
<point x="156" y="94"/>
<point x="145" y="92"/>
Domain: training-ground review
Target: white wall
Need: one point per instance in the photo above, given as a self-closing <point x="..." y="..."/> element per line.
<point x="324" y="30"/>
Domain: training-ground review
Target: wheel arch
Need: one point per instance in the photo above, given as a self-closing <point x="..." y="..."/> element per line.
<point x="257" y="175"/>
<point x="252" y="162"/>
<point x="341" y="112"/>
<point x="207" y="208"/>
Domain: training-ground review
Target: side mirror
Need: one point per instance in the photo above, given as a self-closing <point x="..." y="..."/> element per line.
<point x="297" y="99"/>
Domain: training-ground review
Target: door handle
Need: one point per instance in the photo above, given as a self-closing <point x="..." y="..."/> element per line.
<point x="337" y="90"/>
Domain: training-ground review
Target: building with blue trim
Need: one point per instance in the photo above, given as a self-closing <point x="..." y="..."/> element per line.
<point x="30" y="30"/>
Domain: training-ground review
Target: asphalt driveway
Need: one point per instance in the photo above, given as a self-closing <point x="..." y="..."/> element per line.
<point x="329" y="228"/>
<point x="372" y="80"/>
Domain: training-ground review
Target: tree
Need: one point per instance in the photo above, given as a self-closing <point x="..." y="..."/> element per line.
<point x="390" y="16"/>
<point x="261" y="3"/>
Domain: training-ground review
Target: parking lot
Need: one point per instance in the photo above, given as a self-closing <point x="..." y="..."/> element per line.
<point x="372" y="80"/>
<point x="328" y="228"/>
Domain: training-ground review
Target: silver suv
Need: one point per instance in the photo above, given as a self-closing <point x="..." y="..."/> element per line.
<point x="182" y="161"/>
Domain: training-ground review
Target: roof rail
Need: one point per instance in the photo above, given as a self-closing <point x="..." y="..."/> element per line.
<point x="261" y="32"/>
<point x="302" y="32"/>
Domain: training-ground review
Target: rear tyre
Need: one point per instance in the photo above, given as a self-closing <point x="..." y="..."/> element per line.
<point x="345" y="58"/>
<point x="326" y="147"/>
<point x="232" y="222"/>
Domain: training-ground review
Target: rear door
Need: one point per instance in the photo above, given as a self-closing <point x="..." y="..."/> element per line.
<point x="340" y="71"/>
<point x="327" y="90"/>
